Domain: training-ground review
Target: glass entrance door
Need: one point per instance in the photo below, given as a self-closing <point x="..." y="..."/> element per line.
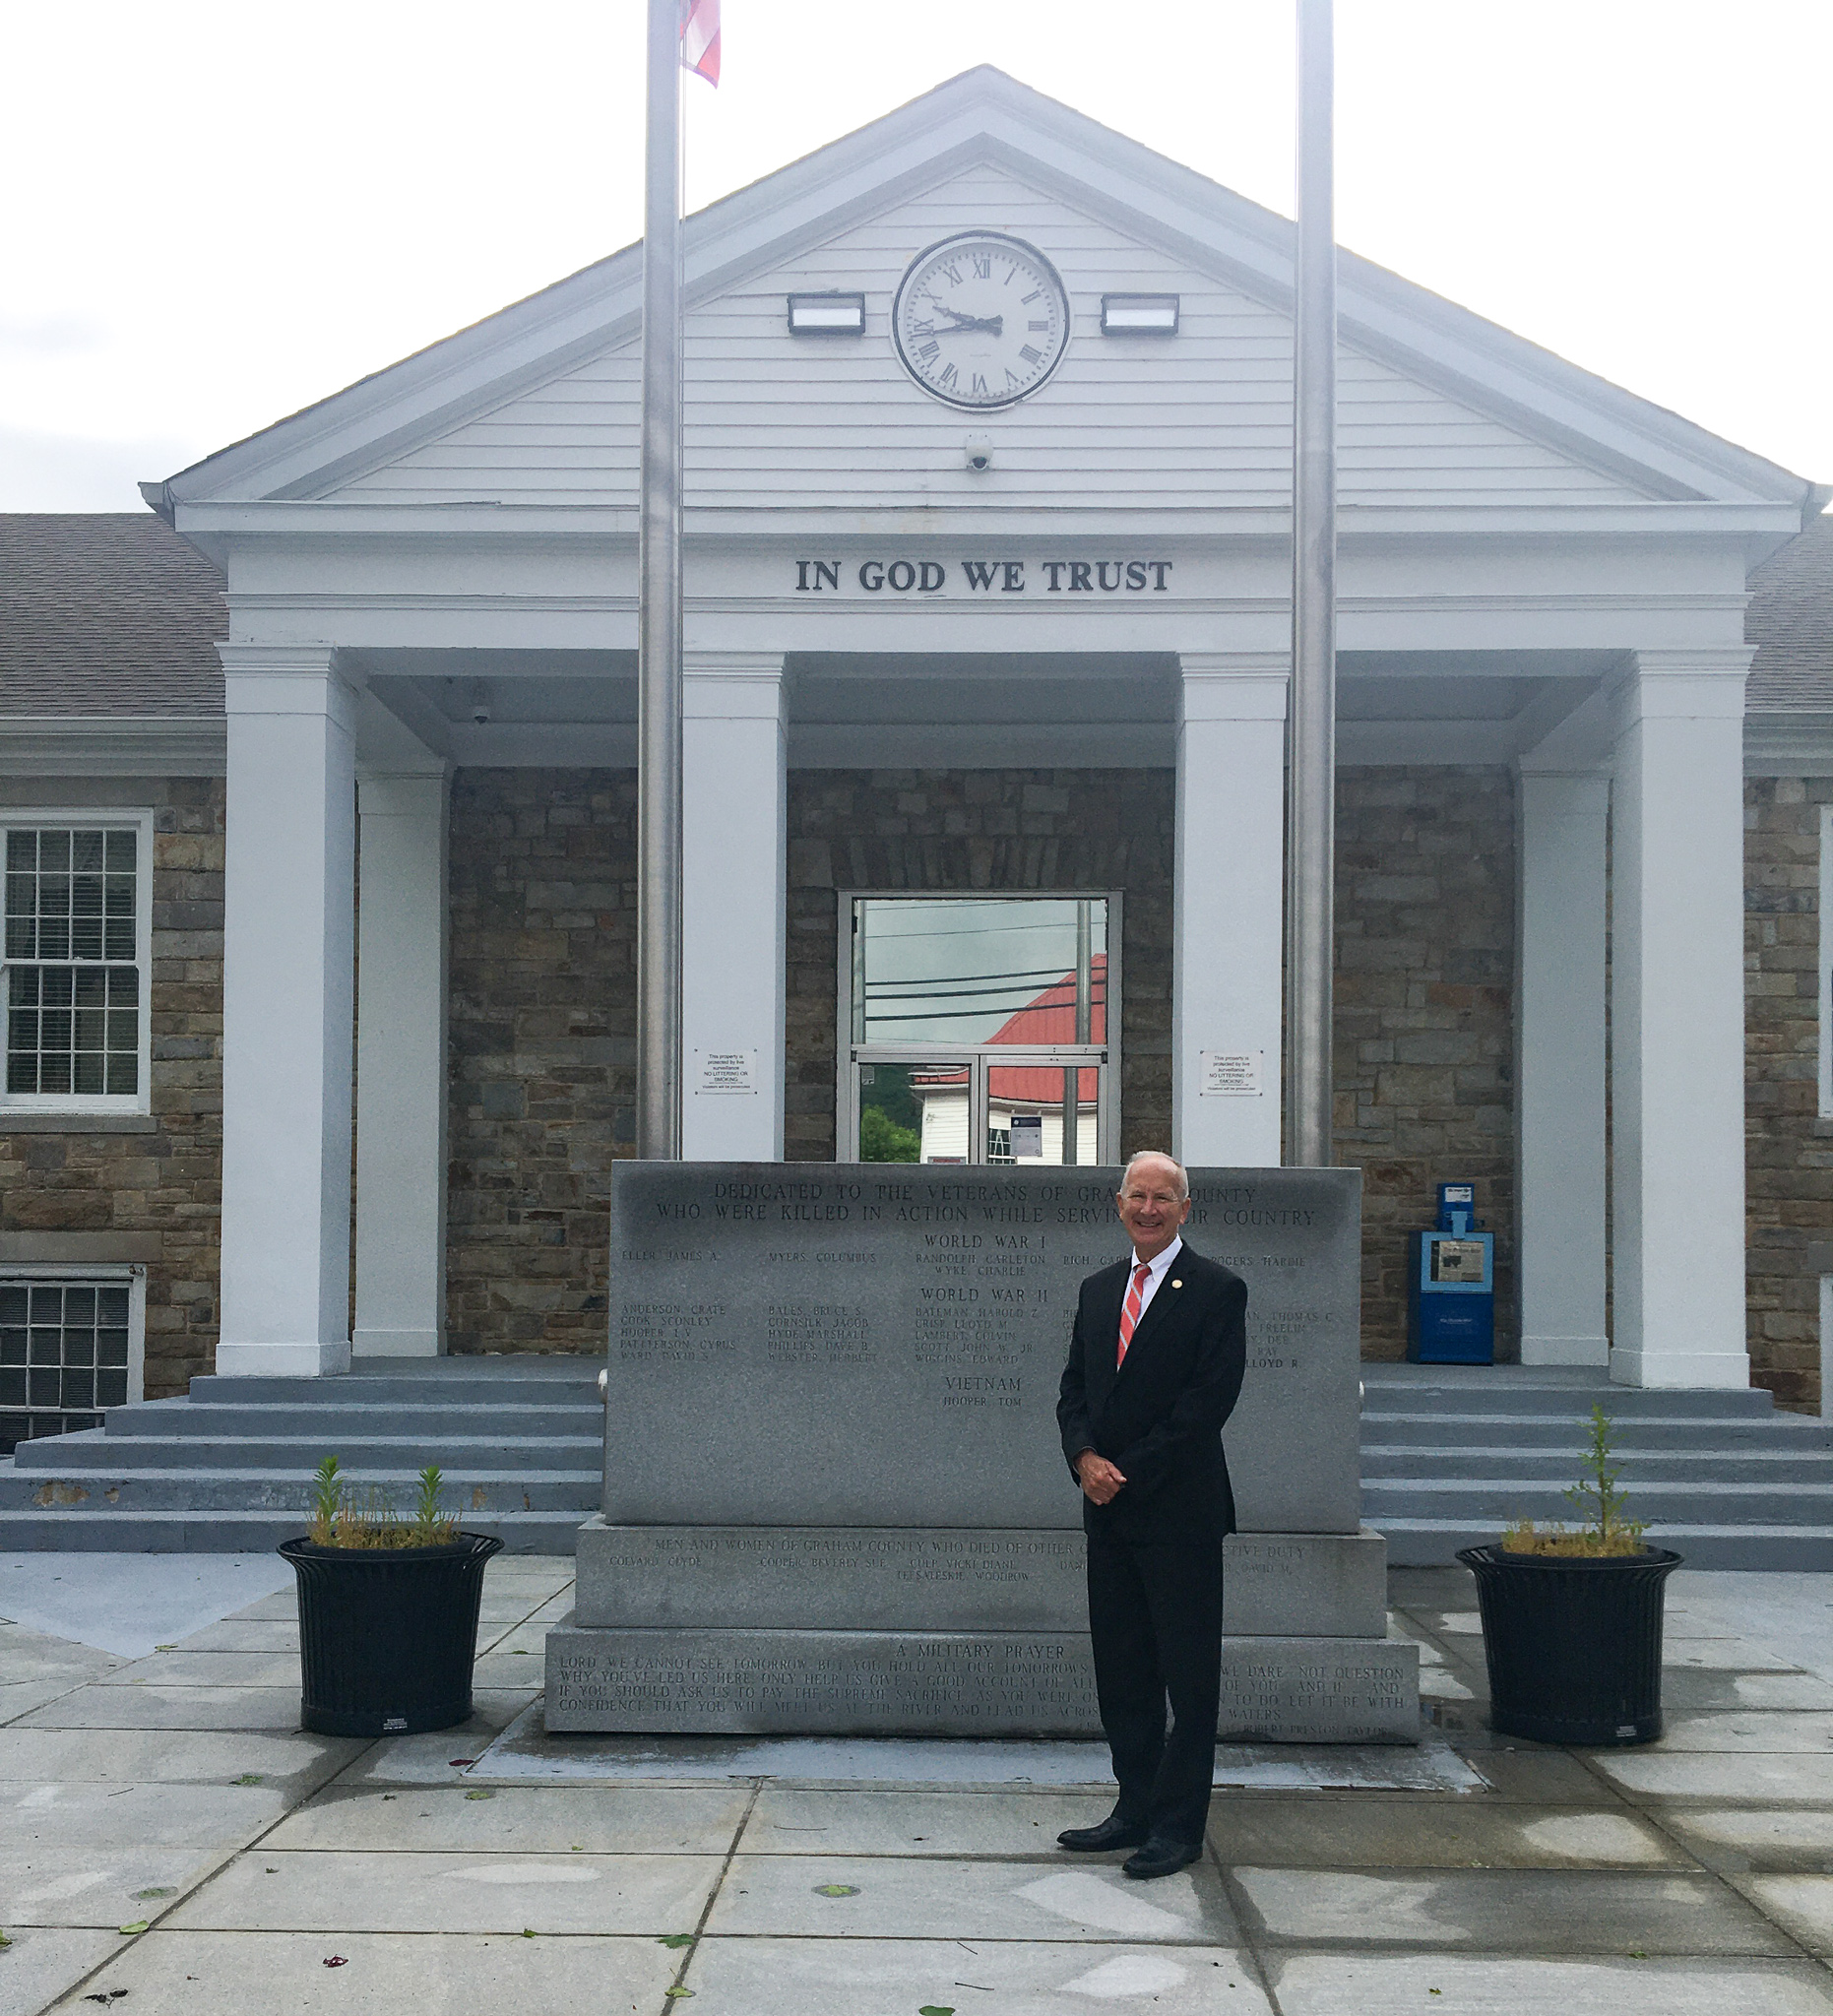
<point x="975" y="1029"/>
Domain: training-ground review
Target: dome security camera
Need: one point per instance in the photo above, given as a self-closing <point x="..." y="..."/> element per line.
<point x="479" y="703"/>
<point x="978" y="452"/>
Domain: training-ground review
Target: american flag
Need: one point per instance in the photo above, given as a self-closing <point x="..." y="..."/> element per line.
<point x="700" y="38"/>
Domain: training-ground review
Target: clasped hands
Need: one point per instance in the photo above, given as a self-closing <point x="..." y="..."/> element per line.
<point x="1101" y="1480"/>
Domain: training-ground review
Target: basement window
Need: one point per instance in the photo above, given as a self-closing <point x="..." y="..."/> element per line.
<point x="71" y="1344"/>
<point x="72" y="965"/>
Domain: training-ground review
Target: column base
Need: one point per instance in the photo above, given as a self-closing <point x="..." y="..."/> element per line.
<point x="1717" y="1368"/>
<point x="1565" y="1351"/>
<point x="281" y="1361"/>
<point x="397" y="1343"/>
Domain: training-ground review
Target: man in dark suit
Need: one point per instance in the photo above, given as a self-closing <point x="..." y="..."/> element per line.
<point x="1155" y="1367"/>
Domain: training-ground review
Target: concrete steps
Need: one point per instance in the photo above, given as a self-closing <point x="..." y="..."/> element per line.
<point x="299" y="1455"/>
<point x="474" y="1493"/>
<point x="1641" y="1471"/>
<point x="241" y="1531"/>
<point x="229" y="1467"/>
<point x="1450" y="1455"/>
<point x="1453" y="1454"/>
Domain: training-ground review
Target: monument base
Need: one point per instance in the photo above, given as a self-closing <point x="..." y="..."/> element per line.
<point x="917" y="1578"/>
<point x="697" y="1681"/>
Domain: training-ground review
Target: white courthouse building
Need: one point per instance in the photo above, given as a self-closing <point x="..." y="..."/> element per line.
<point x="987" y="579"/>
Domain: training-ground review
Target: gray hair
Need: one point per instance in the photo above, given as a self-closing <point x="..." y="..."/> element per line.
<point x="1157" y="1155"/>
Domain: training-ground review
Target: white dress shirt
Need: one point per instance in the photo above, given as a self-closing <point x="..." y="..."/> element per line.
<point x="1156" y="1271"/>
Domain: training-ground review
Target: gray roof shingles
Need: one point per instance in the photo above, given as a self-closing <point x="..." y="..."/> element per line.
<point x="107" y="613"/>
<point x="1790" y="620"/>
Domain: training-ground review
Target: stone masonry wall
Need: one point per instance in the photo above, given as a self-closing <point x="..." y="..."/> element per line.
<point x="1788" y="1149"/>
<point x="1426" y="874"/>
<point x="543" y="1061"/>
<point x="542" y="1056"/>
<point x="1425" y="1023"/>
<point x="980" y="829"/>
<point x="149" y="1192"/>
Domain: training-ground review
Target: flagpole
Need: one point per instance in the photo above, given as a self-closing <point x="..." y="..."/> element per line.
<point x="658" y="610"/>
<point x="1311" y="836"/>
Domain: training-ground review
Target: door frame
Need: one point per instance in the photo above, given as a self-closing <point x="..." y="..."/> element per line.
<point x="847" y="1053"/>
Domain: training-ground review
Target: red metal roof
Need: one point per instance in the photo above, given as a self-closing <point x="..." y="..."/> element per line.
<point x="1049" y="1019"/>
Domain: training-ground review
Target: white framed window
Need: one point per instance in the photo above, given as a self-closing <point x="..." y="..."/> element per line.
<point x="73" y="1343"/>
<point x="973" y="1026"/>
<point x="1823" y="955"/>
<point x="75" y="970"/>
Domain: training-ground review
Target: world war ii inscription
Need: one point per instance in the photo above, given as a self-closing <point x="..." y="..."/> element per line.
<point x="879" y="1345"/>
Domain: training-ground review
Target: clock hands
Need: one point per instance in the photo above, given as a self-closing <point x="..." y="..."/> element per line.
<point x="994" y="325"/>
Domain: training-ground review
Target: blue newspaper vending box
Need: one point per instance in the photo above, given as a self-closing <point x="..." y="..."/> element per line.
<point x="1451" y="1285"/>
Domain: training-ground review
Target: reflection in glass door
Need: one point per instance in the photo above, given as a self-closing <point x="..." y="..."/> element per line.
<point x="975" y="1029"/>
<point x="916" y="1111"/>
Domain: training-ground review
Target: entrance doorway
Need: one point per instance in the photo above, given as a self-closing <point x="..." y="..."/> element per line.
<point x="974" y="1029"/>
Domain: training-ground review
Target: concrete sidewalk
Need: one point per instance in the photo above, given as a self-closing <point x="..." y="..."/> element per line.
<point x="172" y="1840"/>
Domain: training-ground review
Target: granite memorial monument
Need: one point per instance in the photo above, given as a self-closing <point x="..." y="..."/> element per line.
<point x="834" y="1496"/>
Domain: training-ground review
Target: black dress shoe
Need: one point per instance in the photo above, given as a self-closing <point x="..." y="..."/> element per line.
<point x="1114" y="1832"/>
<point x="1161" y="1857"/>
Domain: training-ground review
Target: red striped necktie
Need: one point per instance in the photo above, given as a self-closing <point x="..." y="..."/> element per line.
<point x="1129" y="1310"/>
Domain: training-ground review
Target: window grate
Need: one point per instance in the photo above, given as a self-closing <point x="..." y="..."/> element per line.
<point x="73" y="993"/>
<point x="63" y="1356"/>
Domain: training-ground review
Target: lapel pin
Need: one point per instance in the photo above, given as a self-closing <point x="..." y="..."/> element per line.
<point x="1177" y="1284"/>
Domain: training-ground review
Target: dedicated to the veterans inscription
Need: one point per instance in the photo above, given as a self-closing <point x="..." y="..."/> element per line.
<point x="879" y="1345"/>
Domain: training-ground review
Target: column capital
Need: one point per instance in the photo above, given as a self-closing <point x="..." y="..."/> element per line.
<point x="309" y="678"/>
<point x="402" y="793"/>
<point x="727" y="685"/>
<point x="1534" y="765"/>
<point x="1232" y="685"/>
<point x="732" y="664"/>
<point x="1681" y="685"/>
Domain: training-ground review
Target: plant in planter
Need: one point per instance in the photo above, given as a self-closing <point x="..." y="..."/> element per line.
<point x="1572" y="1619"/>
<point x="388" y="1610"/>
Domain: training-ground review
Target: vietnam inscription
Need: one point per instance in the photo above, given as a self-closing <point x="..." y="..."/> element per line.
<point x="879" y="1345"/>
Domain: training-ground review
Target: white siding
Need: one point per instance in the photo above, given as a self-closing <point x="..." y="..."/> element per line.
<point x="944" y="1126"/>
<point x="1202" y="419"/>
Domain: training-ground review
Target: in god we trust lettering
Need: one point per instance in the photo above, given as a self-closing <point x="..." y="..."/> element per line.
<point x="985" y="577"/>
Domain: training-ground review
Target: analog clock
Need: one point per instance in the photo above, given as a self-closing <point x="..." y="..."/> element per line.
<point x="981" y="320"/>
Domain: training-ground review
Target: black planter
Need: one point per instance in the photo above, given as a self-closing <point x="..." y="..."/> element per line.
<point x="1573" y="1646"/>
<point x="387" y="1635"/>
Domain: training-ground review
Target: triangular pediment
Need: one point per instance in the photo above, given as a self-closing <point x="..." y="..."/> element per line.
<point x="538" y="405"/>
<point x="1200" y="419"/>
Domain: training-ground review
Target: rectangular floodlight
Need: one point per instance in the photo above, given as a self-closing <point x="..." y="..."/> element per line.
<point x="1139" y="314"/>
<point x="827" y="314"/>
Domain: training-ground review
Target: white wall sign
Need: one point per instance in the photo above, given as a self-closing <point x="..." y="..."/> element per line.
<point x="1229" y="1073"/>
<point x="1027" y="1136"/>
<point x="725" y="1071"/>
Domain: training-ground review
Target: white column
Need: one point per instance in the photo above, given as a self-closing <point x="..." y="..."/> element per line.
<point x="287" y="1004"/>
<point x="1227" y="924"/>
<point x="400" y="1064"/>
<point x="1676" y="1020"/>
<point x="733" y="892"/>
<point x="1560" y="1032"/>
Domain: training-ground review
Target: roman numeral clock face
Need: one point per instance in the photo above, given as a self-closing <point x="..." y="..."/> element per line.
<point x="981" y="320"/>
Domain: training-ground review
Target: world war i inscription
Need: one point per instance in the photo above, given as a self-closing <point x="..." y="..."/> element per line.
<point x="876" y="1345"/>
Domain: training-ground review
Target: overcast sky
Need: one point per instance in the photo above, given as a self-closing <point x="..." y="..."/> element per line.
<point x="218" y="212"/>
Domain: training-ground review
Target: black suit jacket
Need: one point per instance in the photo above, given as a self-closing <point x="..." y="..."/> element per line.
<point x="1159" y="1417"/>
